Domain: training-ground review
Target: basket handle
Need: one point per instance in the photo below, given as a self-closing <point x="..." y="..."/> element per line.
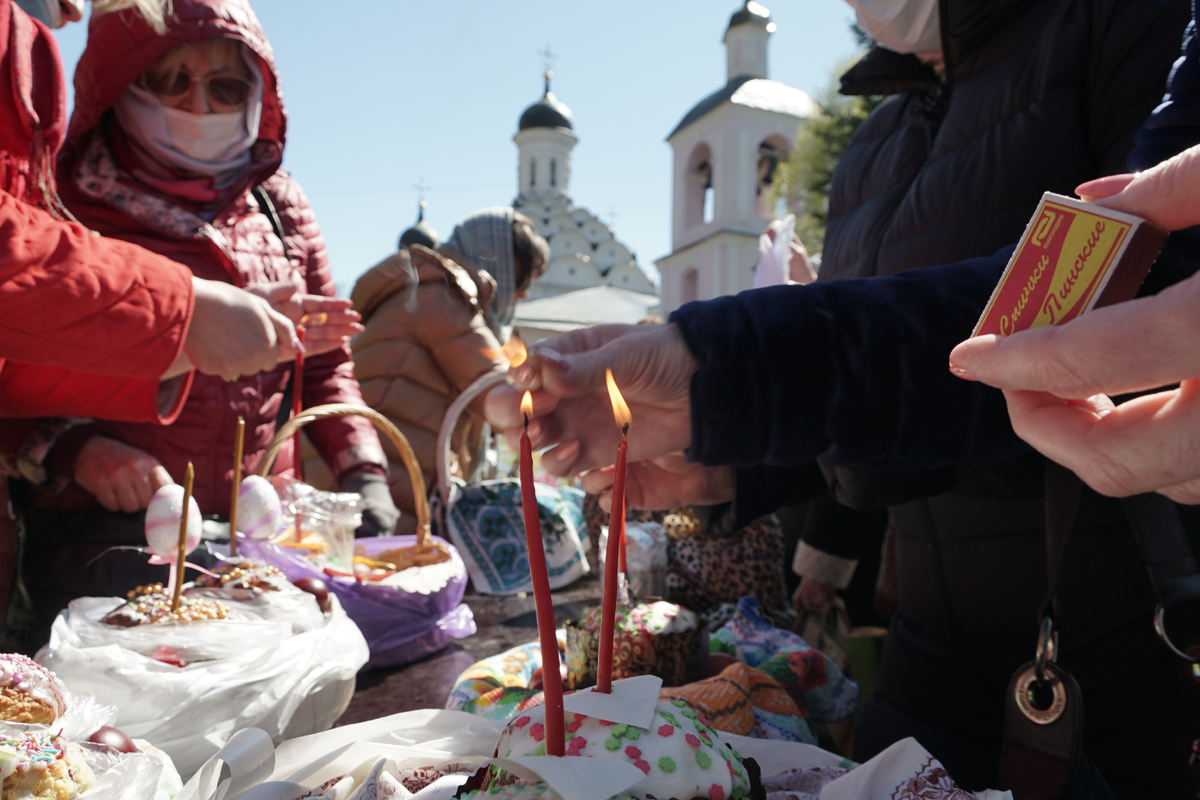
<point x="383" y="424"/>
<point x="482" y="384"/>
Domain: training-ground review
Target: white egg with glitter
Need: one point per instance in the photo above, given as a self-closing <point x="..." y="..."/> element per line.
<point x="162" y="522"/>
<point x="259" y="509"/>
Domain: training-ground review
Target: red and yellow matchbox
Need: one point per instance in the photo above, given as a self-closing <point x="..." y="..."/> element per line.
<point x="1073" y="257"/>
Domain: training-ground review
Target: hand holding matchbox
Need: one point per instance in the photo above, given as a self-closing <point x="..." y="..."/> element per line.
<point x="1073" y="257"/>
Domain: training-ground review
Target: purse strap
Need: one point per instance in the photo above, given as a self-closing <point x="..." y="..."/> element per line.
<point x="1168" y="556"/>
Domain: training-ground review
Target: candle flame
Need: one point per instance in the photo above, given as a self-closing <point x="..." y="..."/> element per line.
<point x="514" y="350"/>
<point x="620" y="409"/>
<point x="527" y="405"/>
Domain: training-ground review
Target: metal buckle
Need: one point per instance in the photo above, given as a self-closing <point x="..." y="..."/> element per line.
<point x="1161" y="629"/>
<point x="1047" y="649"/>
<point x="1024" y="696"/>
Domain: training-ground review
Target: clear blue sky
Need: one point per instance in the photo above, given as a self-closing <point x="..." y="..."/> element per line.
<point x="383" y="93"/>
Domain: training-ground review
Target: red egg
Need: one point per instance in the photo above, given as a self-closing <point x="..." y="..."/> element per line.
<point x="114" y="738"/>
<point x="318" y="589"/>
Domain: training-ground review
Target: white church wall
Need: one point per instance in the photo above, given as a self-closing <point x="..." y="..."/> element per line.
<point x="610" y="253"/>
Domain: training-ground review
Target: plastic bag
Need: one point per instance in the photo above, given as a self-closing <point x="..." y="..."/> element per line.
<point x="242" y="672"/>
<point x="405" y="618"/>
<point x="645" y="557"/>
<point x="328" y="519"/>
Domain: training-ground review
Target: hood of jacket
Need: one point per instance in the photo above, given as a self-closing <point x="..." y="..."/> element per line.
<point x="121" y="46"/>
<point x="968" y="28"/>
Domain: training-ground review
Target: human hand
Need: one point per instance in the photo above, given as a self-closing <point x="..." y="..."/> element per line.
<point x="571" y="408"/>
<point x="122" y="478"/>
<point x="329" y="322"/>
<point x="379" y="514"/>
<point x="812" y="597"/>
<point x="800" y="268"/>
<point x="1057" y="381"/>
<point x="1168" y="194"/>
<point x="234" y="333"/>
<point x="658" y="484"/>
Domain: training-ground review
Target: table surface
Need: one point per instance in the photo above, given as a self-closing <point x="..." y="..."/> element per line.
<point x="503" y="622"/>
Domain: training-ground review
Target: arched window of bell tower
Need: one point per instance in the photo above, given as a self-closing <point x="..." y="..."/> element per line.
<point x="689" y="289"/>
<point x="533" y="172"/>
<point x="554" y="172"/>
<point x="772" y="152"/>
<point x="699" y="194"/>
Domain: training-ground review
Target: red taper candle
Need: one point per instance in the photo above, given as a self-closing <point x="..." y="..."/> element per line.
<point x="551" y="677"/>
<point x="614" y="554"/>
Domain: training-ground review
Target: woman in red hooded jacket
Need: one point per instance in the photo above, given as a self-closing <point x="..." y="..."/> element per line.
<point x="175" y="145"/>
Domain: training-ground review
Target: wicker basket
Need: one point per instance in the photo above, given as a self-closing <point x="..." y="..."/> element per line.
<point x="425" y="551"/>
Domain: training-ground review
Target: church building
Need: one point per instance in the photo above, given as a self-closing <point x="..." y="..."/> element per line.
<point x="592" y="278"/>
<point x="725" y="151"/>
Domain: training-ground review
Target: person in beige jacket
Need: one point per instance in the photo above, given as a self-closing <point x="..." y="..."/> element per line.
<point x="434" y="322"/>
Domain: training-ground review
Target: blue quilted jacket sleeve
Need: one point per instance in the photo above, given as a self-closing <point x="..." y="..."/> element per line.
<point x="853" y="373"/>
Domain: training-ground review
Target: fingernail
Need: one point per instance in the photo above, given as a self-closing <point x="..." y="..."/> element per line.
<point x="567" y="452"/>
<point x="298" y="346"/>
<point x="534" y="430"/>
<point x="960" y="372"/>
<point x="524" y="374"/>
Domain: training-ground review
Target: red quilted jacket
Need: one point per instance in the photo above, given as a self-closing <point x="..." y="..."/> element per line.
<point x="70" y="303"/>
<point x="238" y="246"/>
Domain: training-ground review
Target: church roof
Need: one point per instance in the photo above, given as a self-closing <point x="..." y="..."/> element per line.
<point x="549" y="112"/>
<point x="599" y="305"/>
<point x="762" y="93"/>
<point x="751" y="12"/>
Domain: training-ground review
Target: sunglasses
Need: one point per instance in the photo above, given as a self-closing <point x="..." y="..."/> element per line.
<point x="222" y="90"/>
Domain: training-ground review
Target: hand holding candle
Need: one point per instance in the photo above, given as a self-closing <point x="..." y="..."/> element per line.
<point x="614" y="555"/>
<point x="551" y="677"/>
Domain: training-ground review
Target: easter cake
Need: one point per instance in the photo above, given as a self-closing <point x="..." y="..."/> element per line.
<point x="659" y="638"/>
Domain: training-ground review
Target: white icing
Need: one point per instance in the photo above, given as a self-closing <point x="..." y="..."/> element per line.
<point x="656" y="618"/>
<point x="675" y="766"/>
<point x="22" y="672"/>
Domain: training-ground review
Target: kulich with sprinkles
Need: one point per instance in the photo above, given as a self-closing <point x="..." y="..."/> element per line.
<point x="151" y="605"/>
<point x="29" y="692"/>
<point x="659" y="638"/>
<point x="245" y="574"/>
<point x="40" y="765"/>
<point x="682" y="756"/>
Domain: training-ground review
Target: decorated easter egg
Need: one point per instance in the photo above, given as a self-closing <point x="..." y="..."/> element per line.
<point x="162" y="522"/>
<point x="259" y="510"/>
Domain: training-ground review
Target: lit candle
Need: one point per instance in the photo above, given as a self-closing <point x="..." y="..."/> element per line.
<point x="614" y="555"/>
<point x="181" y="556"/>
<point x="297" y="404"/>
<point x="551" y="677"/>
<point x="239" y="438"/>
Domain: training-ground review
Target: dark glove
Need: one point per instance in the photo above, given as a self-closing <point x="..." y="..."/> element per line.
<point x="379" y="513"/>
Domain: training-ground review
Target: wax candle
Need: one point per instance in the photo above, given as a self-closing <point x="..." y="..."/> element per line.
<point x="181" y="555"/>
<point x="614" y="554"/>
<point x="551" y="677"/>
<point x="239" y="438"/>
<point x="297" y="404"/>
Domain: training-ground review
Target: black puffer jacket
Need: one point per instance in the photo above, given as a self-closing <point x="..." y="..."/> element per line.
<point x="1037" y="96"/>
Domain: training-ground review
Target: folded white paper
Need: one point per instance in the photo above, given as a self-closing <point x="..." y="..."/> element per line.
<point x="632" y="702"/>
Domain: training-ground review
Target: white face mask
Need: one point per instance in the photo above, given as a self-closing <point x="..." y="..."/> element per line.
<point x="903" y="26"/>
<point x="206" y="137"/>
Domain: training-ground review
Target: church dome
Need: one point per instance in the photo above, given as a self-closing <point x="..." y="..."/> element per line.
<point x="420" y="233"/>
<point x="549" y="112"/>
<point x="751" y="12"/>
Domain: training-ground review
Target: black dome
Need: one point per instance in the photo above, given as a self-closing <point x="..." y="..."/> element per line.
<point x="420" y="233"/>
<point x="548" y="112"/>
